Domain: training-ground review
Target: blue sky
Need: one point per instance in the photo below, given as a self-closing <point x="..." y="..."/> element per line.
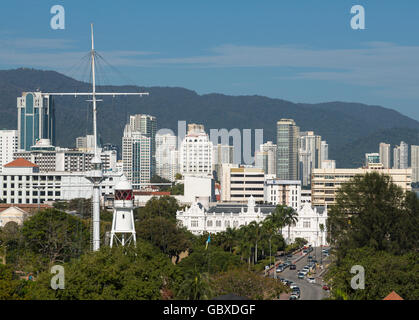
<point x="302" y="51"/>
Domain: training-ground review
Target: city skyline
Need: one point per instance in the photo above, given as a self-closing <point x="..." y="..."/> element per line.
<point x="275" y="59"/>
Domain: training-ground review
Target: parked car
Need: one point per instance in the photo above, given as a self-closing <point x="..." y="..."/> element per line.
<point x="293" y="297"/>
<point x="326" y="287"/>
<point x="289" y="255"/>
<point x="309" y="258"/>
<point x="296" y="293"/>
<point x="311" y="280"/>
<point x="301" y="275"/>
<point x="293" y="267"/>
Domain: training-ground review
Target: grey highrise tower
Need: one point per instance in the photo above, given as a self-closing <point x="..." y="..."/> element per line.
<point x="36" y="119"/>
<point x="287" y="134"/>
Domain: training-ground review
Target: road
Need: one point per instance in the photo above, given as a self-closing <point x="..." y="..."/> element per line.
<point x="309" y="291"/>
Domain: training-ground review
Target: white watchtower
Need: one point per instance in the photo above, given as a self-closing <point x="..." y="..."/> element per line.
<point x="123" y="228"/>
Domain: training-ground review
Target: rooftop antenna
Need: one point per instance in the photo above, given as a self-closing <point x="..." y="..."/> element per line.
<point x="95" y="175"/>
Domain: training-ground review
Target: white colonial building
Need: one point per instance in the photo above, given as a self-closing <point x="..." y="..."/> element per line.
<point x="308" y="225"/>
<point x="218" y="218"/>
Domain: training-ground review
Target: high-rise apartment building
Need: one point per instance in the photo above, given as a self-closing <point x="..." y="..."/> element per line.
<point x="8" y="145"/>
<point x="271" y="150"/>
<point x="36" y="119"/>
<point x="223" y="153"/>
<point x="309" y="147"/>
<point x="287" y="150"/>
<point x="196" y="152"/>
<point x="385" y="155"/>
<point x="147" y="125"/>
<point x="324" y="151"/>
<point x="136" y="157"/>
<point x="400" y="156"/>
<point x="414" y="155"/>
<point x="167" y="163"/>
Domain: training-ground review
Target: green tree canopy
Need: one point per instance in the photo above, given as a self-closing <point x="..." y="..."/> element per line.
<point x="372" y="211"/>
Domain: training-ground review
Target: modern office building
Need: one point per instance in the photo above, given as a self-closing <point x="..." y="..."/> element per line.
<point x="283" y="192"/>
<point x="167" y="162"/>
<point x="287" y="150"/>
<point x="239" y="184"/>
<point x="9" y="141"/>
<point x="196" y="152"/>
<point x="414" y="155"/>
<point x="325" y="182"/>
<point x="385" y="155"/>
<point x="136" y="157"/>
<point x="36" y="119"/>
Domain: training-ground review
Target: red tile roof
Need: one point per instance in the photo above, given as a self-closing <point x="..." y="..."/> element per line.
<point x="393" y="296"/>
<point x="19" y="163"/>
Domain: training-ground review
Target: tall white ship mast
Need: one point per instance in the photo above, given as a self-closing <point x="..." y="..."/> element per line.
<point x="96" y="175"/>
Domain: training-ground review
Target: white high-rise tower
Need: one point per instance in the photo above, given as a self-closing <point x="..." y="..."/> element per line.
<point x="123" y="228"/>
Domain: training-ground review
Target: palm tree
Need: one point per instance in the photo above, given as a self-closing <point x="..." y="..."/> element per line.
<point x="230" y="238"/>
<point x="290" y="218"/>
<point x="255" y="233"/>
<point x="277" y="217"/>
<point x="195" y="286"/>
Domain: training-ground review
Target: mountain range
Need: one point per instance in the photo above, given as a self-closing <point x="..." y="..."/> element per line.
<point x="350" y="129"/>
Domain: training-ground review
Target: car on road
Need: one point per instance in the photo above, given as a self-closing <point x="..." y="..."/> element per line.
<point x="296" y="293"/>
<point x="301" y="275"/>
<point x="309" y="258"/>
<point x="314" y="261"/>
<point x="293" y="297"/>
<point x="289" y="255"/>
<point x="293" y="267"/>
<point x="311" y="280"/>
<point x="293" y="285"/>
<point x="326" y="287"/>
<point x="280" y="268"/>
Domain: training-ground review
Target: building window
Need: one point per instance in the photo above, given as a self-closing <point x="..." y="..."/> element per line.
<point x="209" y="223"/>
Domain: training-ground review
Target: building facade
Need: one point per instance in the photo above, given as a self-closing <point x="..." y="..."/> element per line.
<point x="196" y="152"/>
<point x="271" y="151"/>
<point x="239" y="184"/>
<point x="21" y="182"/>
<point x="283" y="192"/>
<point x="325" y="182"/>
<point x="385" y="155"/>
<point x="136" y="157"/>
<point x="167" y="162"/>
<point x="218" y="218"/>
<point x="36" y="119"/>
<point x="414" y="154"/>
<point x="287" y="150"/>
<point x="9" y="142"/>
